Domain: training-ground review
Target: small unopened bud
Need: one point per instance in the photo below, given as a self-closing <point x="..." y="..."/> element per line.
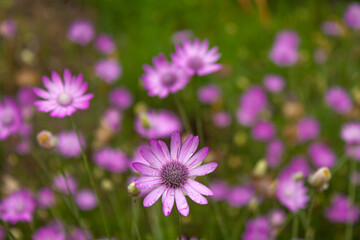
<point x="132" y="190"/>
<point x="320" y="178"/>
<point x="260" y="168"/>
<point x="46" y="139"/>
<point x="144" y="120"/>
<point x="253" y="204"/>
<point x="298" y="176"/>
<point x="107" y="185"/>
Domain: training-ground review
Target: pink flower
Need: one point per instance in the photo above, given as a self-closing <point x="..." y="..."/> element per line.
<point x="182" y="36"/>
<point x="160" y="124"/>
<point x="112" y="160"/>
<point x="263" y="131"/>
<point x="68" y="144"/>
<point x="220" y="190"/>
<point x="341" y="210"/>
<point x="109" y="70"/>
<point x="209" y="94"/>
<point x="17" y="207"/>
<point x="80" y="234"/>
<point x="196" y="58"/>
<point x="308" y="128"/>
<point x="81" y="32"/>
<point x="274" y="151"/>
<point x="298" y="164"/>
<point x="105" y="44"/>
<point x="49" y="232"/>
<point x="10" y="118"/>
<point x="8" y="28"/>
<point x="239" y="196"/>
<point x="321" y="155"/>
<point x="63" y="98"/>
<point x="86" y="199"/>
<point x="65" y="184"/>
<point x="332" y="28"/>
<point x="113" y="117"/>
<point x="338" y="99"/>
<point x="274" y="83"/>
<point x="285" y="49"/>
<point x="257" y="229"/>
<point x="221" y="119"/>
<point x="292" y="194"/>
<point x="164" y="77"/>
<point x="352" y="16"/>
<point x="121" y="98"/>
<point x="350" y="133"/>
<point x="171" y="173"/>
<point x="46" y="198"/>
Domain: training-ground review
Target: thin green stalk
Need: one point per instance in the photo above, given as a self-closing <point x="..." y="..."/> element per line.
<point x="295" y="227"/>
<point x="183" y="115"/>
<point x="288" y="220"/>
<point x="342" y="160"/>
<point x="352" y="192"/>
<point x="91" y="178"/>
<point x="220" y="221"/>
<point x="199" y="125"/>
<point x="239" y="224"/>
<point x="8" y="232"/>
<point x="134" y="225"/>
<point x="179" y="217"/>
<point x="119" y="219"/>
<point x="309" y="215"/>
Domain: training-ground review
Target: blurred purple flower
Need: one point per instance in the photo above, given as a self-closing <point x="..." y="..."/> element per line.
<point x="121" y="98"/>
<point x="85" y="199"/>
<point x="320" y="56"/>
<point x="81" y="32"/>
<point x="65" y="185"/>
<point x="182" y="36"/>
<point x="113" y="160"/>
<point x="350" y="133"/>
<point x="24" y="146"/>
<point x="209" y="94"/>
<point x="163" y="78"/>
<point x="104" y="43"/>
<point x="277" y="217"/>
<point x="341" y="210"/>
<point x="68" y="144"/>
<point x="274" y="83"/>
<point x="19" y="206"/>
<point x="196" y="58"/>
<point x="257" y="229"/>
<point x="113" y="118"/>
<point x="8" y="28"/>
<point x="321" y="155"/>
<point x="285" y="49"/>
<point x="221" y="119"/>
<point x="308" y="128"/>
<point x="108" y="70"/>
<point x="26" y="96"/>
<point x="49" y="232"/>
<point x="171" y="173"/>
<point x="352" y="16"/>
<point x="63" y="98"/>
<point x="79" y="234"/>
<point x="332" y="28"/>
<point x="338" y="99"/>
<point x="298" y="164"/>
<point x="239" y="196"/>
<point x="161" y="124"/>
<point x="292" y="194"/>
<point x="10" y="118"/>
<point x="46" y="198"/>
<point x="274" y="151"/>
<point x="263" y="131"/>
<point x="220" y="190"/>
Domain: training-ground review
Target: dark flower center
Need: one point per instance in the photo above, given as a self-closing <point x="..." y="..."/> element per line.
<point x="64" y="99"/>
<point x="195" y="63"/>
<point x="174" y="174"/>
<point x="168" y="79"/>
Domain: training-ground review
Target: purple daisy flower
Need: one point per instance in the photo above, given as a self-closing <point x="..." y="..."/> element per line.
<point x="274" y="83"/>
<point x="292" y="194"/>
<point x="350" y="133"/>
<point x="257" y="229"/>
<point x="298" y="164"/>
<point x="49" y="232"/>
<point x="352" y="16"/>
<point x="164" y="77"/>
<point x="239" y="196"/>
<point x="10" y="118"/>
<point x="65" y="184"/>
<point x="108" y="70"/>
<point x="209" y="94"/>
<point x="121" y="98"/>
<point x="221" y="119"/>
<point x="81" y="32"/>
<point x="104" y="43"/>
<point x="160" y="124"/>
<point x="63" y="98"/>
<point x="46" y="198"/>
<point x="113" y="160"/>
<point x="68" y="144"/>
<point x="338" y="99"/>
<point x="171" y="173"/>
<point x="196" y="58"/>
<point x="285" y="48"/>
<point x="19" y="206"/>
<point x="86" y="199"/>
<point x="341" y="210"/>
<point x="263" y="131"/>
<point x="321" y="155"/>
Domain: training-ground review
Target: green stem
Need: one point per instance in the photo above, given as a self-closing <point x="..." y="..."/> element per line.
<point x="220" y="221"/>
<point x="352" y="192"/>
<point x="134" y="225"/>
<point x="119" y="219"/>
<point x="179" y="217"/>
<point x="92" y="182"/>
<point x="339" y="164"/>
<point x="308" y="224"/>
<point x="288" y="220"/>
<point x="295" y="227"/>
<point x="183" y="115"/>
<point x="8" y="232"/>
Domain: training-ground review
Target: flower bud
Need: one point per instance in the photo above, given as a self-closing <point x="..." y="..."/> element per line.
<point x="132" y="190"/>
<point x="144" y="120"/>
<point x="107" y="185"/>
<point x="46" y="139"/>
<point x="260" y="168"/>
<point x="298" y="176"/>
<point x="320" y="178"/>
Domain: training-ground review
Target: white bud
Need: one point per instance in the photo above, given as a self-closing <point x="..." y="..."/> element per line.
<point x="320" y="178"/>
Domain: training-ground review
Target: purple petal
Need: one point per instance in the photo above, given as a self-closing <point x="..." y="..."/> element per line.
<point x="168" y="201"/>
<point x="165" y="150"/>
<point x="149" y="156"/>
<point x="43" y="94"/>
<point x="175" y="145"/>
<point x="200" y="188"/>
<point x="57" y="81"/>
<point x="198" y="157"/>
<point x="188" y="148"/>
<point x="209" y="69"/>
<point x="153" y="196"/>
<point x="194" y="195"/>
<point x="147" y="182"/>
<point x="146" y="170"/>
<point x="181" y="202"/>
<point x="155" y="148"/>
<point x="203" y="169"/>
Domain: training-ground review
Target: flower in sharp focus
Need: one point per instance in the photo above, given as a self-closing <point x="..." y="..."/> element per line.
<point x="63" y="98"/>
<point x="10" y="118"/>
<point x="81" y="32"/>
<point x="108" y="70"/>
<point x="158" y="124"/>
<point x="171" y="173"/>
<point x="113" y="160"/>
<point x="17" y="207"/>
<point x="196" y="57"/>
<point x="68" y="144"/>
<point x="164" y="77"/>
